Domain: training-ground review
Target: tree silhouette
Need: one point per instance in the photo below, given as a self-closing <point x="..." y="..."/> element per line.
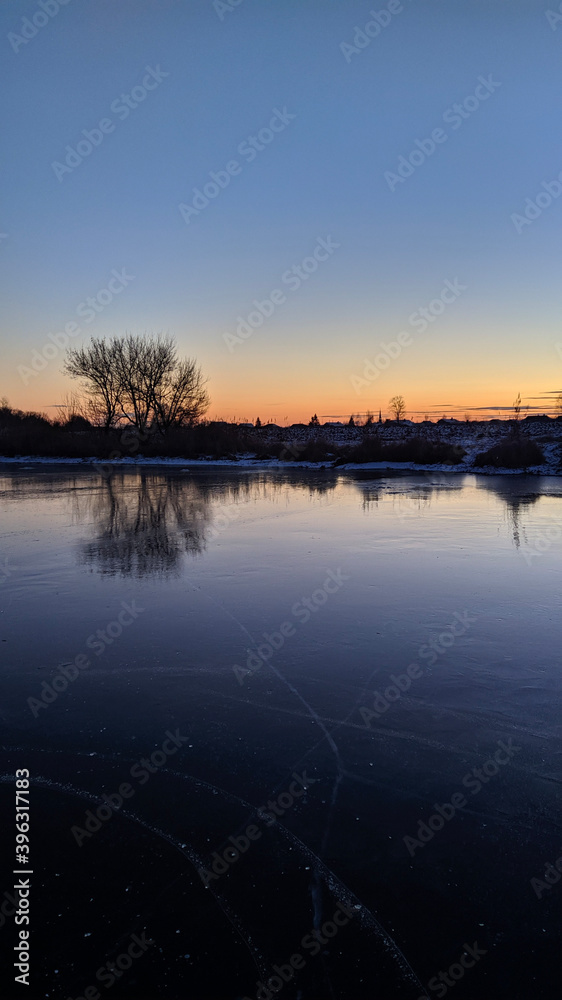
<point x="397" y="406"/>
<point x="139" y="380"/>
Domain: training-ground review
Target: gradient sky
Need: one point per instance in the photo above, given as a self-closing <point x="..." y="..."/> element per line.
<point x="323" y="176"/>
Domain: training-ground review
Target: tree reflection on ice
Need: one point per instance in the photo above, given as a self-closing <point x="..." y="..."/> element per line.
<point x="145" y="523"/>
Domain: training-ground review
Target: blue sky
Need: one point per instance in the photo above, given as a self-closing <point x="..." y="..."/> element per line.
<point x="323" y="175"/>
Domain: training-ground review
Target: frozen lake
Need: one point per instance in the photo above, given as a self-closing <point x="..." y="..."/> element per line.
<point x="324" y="708"/>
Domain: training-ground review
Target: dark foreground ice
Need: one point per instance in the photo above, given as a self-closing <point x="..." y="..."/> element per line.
<point x="288" y="734"/>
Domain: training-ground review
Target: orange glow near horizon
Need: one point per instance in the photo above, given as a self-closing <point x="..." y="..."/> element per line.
<point x="284" y="399"/>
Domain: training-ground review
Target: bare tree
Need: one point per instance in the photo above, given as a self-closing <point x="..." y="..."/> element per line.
<point x="143" y="365"/>
<point x="180" y="397"/>
<point x="558" y="404"/>
<point x="75" y="408"/>
<point x="397" y="407"/>
<point x="95" y="367"/>
<point x="141" y="381"/>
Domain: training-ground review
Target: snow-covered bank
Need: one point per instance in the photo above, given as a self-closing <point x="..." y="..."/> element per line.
<point x="245" y="463"/>
<point x="103" y="464"/>
<point x="532" y="446"/>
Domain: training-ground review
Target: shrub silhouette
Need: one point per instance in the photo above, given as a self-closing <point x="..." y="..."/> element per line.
<point x="416" y="450"/>
<point x="513" y="453"/>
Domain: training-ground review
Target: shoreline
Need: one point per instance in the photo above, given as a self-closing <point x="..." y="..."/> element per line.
<point x="273" y="464"/>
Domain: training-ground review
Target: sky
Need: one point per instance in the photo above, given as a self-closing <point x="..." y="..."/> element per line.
<point x="182" y="163"/>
